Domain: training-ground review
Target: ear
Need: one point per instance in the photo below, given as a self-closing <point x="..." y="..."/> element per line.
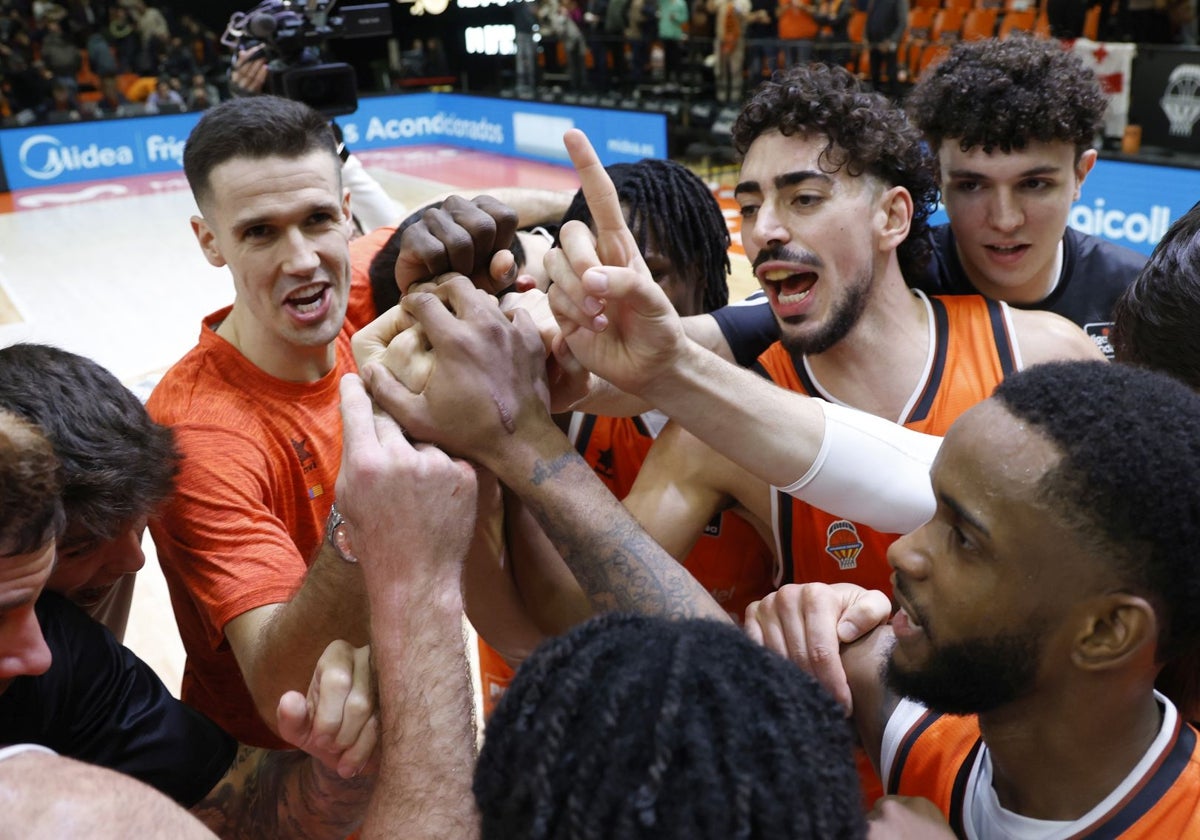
<point x="893" y="217"/>
<point x="346" y="217"/>
<point x="1116" y="628"/>
<point x="208" y="241"/>
<point x="1086" y="161"/>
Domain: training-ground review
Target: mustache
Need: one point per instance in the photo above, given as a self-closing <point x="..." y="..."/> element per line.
<point x="780" y="253"/>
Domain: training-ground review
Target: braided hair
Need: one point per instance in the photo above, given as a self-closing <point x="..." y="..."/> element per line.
<point x="638" y="727"/>
<point x="666" y="201"/>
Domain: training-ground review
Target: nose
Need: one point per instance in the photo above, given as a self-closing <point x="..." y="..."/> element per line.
<point x="126" y="555"/>
<point x="1004" y="212"/>
<point x="23" y="650"/>
<point x="768" y="230"/>
<point x="301" y="258"/>
<point x="910" y="555"/>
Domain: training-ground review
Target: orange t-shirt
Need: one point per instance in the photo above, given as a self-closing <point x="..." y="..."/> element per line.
<point x="260" y="458"/>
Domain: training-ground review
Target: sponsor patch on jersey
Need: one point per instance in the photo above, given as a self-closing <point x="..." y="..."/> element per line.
<point x="843" y="544"/>
<point x="713" y="528"/>
<point x="1099" y="332"/>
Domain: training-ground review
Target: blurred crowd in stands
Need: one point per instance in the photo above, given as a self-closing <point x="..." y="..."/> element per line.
<point x="731" y="45"/>
<point x="86" y="59"/>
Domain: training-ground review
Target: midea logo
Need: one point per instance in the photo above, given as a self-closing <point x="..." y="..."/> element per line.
<point x="59" y="158"/>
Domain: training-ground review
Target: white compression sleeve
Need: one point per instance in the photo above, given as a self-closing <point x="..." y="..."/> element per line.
<point x="870" y="470"/>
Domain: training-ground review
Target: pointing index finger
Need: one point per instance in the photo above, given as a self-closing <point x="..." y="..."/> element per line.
<point x="614" y="243"/>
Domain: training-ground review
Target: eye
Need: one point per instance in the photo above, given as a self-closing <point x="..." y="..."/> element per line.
<point x="806" y="200"/>
<point x="747" y="211"/>
<point x="961" y="540"/>
<point x="77" y="550"/>
<point x="1035" y="184"/>
<point x="966" y="186"/>
<point x="256" y="232"/>
<point x="321" y="218"/>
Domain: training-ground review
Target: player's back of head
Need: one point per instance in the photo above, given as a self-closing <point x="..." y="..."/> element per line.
<point x="637" y="727"/>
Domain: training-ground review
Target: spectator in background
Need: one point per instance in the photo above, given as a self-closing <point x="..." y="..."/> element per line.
<point x="62" y="106"/>
<point x="61" y="56"/>
<point x="178" y="61"/>
<point x="165" y="99"/>
<point x="886" y="22"/>
<point x="202" y="94"/>
<point x="796" y="30"/>
<point x="833" y="39"/>
<point x="760" y="40"/>
<point x="729" y="47"/>
<point x="563" y="17"/>
<point x="100" y="55"/>
<point x="672" y="17"/>
<point x="123" y="37"/>
<point x="112" y="102"/>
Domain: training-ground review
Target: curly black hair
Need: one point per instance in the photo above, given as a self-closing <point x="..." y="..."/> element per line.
<point x="867" y="135"/>
<point x="638" y="727"/>
<point x="669" y="202"/>
<point x="117" y="463"/>
<point x="1007" y="94"/>
<point x="1129" y="476"/>
<point x="1156" y="321"/>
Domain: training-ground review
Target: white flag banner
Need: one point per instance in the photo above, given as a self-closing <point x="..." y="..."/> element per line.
<point x="1112" y="63"/>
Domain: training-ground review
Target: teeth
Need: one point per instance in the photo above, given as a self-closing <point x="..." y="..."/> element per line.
<point x="777" y="275"/>
<point x="796" y="298"/>
<point x="1006" y="249"/>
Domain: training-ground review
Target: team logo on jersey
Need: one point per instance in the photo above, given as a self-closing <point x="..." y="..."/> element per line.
<point x="307" y="462"/>
<point x="843" y="544"/>
<point x="604" y="463"/>
<point x="1100" y="333"/>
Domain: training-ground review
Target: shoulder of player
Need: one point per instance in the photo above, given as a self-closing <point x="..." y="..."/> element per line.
<point x="1046" y="336"/>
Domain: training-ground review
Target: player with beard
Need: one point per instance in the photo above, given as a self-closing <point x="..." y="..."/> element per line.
<point x="1038" y="605"/>
<point x="835" y="191"/>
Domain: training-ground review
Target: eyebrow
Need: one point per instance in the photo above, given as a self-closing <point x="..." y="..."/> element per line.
<point x="962" y="514"/>
<point x="787" y="179"/>
<point x="319" y="207"/>
<point x="12" y="601"/>
<point x="1047" y="169"/>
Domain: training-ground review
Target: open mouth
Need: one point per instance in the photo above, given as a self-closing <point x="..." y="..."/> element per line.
<point x="1007" y="251"/>
<point x="307" y="299"/>
<point x="789" y="287"/>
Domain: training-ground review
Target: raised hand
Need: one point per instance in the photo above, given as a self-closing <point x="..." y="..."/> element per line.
<point x="616" y="320"/>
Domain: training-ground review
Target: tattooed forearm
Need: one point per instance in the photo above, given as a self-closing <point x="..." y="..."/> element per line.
<point x="283" y="793"/>
<point x="615" y="561"/>
<point x="544" y="471"/>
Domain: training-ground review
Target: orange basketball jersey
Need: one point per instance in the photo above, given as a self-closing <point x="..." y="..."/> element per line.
<point x="938" y="757"/>
<point x="729" y="559"/>
<point x="972" y="350"/>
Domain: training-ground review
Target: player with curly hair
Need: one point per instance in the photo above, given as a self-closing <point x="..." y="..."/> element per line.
<point x="1012" y="125"/>
<point x="835" y="190"/>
